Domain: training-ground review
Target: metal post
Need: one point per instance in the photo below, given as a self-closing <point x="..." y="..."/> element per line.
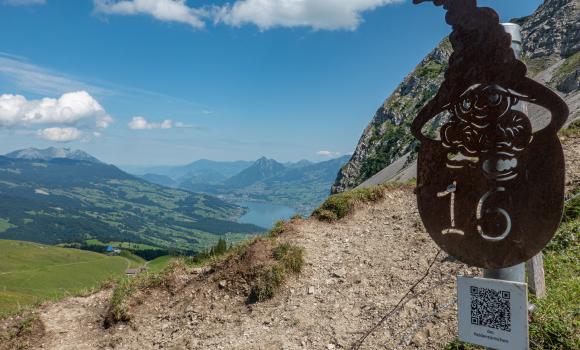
<point x="515" y="273"/>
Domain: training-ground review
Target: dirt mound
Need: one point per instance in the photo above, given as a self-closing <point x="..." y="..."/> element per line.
<point x="355" y="271"/>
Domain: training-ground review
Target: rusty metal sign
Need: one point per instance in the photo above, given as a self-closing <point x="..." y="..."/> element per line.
<point x="490" y="189"/>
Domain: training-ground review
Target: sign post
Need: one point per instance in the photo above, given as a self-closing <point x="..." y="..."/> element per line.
<point x="515" y="273"/>
<point x="490" y="185"/>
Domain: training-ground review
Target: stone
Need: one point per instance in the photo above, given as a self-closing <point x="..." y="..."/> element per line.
<point x="340" y="273"/>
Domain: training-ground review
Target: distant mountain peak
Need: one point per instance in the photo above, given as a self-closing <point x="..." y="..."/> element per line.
<point x="51" y="153"/>
<point x="262" y="169"/>
<point x="270" y="163"/>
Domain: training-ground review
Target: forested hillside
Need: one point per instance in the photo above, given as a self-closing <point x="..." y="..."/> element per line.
<point x="65" y="200"/>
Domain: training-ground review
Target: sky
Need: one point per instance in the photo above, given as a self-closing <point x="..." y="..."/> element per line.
<point x="166" y="82"/>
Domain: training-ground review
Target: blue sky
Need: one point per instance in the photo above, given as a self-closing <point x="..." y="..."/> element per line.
<point x="150" y="82"/>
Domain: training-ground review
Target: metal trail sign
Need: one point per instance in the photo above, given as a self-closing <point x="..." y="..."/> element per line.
<point x="490" y="187"/>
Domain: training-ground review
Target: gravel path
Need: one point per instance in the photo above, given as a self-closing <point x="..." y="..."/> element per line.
<point x="355" y="272"/>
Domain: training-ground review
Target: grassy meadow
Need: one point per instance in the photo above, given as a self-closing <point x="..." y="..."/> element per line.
<point x="31" y="273"/>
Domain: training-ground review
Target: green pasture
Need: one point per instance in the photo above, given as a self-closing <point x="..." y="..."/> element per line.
<point x="31" y="273"/>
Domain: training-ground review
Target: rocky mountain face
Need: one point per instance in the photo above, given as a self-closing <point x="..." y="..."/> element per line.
<point x="551" y="39"/>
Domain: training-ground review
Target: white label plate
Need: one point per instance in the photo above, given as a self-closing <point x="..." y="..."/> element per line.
<point x="493" y="313"/>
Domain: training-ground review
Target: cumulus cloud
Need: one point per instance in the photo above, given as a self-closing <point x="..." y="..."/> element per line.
<point x="141" y="123"/>
<point x="318" y="14"/>
<point x="70" y="109"/>
<point x="67" y="118"/>
<point x="60" y="134"/>
<point x="163" y="10"/>
<point x="24" y="2"/>
<point x="266" y="14"/>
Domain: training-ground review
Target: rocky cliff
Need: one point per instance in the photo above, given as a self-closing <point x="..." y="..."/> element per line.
<point x="551" y="49"/>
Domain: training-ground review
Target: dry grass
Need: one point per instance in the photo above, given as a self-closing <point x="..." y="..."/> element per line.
<point x="20" y="331"/>
<point x="256" y="267"/>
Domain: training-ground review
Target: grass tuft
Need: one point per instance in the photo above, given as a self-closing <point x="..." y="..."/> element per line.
<point x="289" y="259"/>
<point x="125" y="290"/>
<point x="267" y="283"/>
<point x="573" y="130"/>
<point x="278" y="229"/>
<point x="20" y="333"/>
<point x="291" y="256"/>
<point x="343" y="204"/>
<point x="458" y="345"/>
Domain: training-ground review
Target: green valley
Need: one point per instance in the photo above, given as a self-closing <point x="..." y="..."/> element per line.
<point x="31" y="272"/>
<point x="63" y="201"/>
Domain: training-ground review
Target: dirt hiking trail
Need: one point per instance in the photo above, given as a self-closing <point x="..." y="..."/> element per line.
<point x="355" y="271"/>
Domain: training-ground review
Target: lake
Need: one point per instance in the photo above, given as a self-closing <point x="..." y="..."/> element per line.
<point x="265" y="214"/>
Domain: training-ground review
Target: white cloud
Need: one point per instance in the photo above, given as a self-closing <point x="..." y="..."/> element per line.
<point x="266" y="14"/>
<point x="141" y="123"/>
<point x="24" y="2"/>
<point x="328" y="154"/>
<point x="73" y="108"/>
<point x="60" y="134"/>
<point x="70" y="117"/>
<point x="163" y="10"/>
<point x="318" y="14"/>
<point x="38" y="80"/>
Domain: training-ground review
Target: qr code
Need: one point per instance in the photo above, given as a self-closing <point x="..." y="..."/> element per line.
<point x="491" y="308"/>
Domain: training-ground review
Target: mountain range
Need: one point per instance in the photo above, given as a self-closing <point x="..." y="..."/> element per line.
<point x="302" y="185"/>
<point x="52" y="153"/>
<point x="59" y="196"/>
